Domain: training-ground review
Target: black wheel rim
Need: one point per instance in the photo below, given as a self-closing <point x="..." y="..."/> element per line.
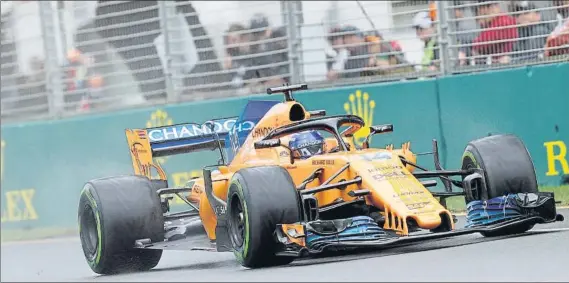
<point x="237" y="221"/>
<point x="89" y="234"/>
<point x="467" y="165"/>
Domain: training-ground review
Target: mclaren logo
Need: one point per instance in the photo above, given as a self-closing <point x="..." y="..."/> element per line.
<point x="159" y="118"/>
<point x="362" y="106"/>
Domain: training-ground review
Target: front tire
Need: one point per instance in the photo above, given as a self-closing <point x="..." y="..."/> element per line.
<point x="508" y="169"/>
<point x="113" y="213"/>
<point x="258" y="199"/>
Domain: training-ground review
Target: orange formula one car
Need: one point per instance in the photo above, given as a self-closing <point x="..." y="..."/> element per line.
<point x="290" y="183"/>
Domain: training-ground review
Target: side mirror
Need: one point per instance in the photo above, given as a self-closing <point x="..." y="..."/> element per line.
<point x="267" y="143"/>
<point x="379" y="129"/>
<point x="273" y="143"/>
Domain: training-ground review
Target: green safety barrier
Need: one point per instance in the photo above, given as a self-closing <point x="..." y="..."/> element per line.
<point x="45" y="164"/>
<point x="531" y="102"/>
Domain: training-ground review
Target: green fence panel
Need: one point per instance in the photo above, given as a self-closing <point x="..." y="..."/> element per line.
<point x="531" y="103"/>
<point x="45" y="164"/>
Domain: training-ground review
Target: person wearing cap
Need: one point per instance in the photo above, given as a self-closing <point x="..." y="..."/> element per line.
<point x="499" y="34"/>
<point x="531" y="30"/>
<point x="426" y="32"/>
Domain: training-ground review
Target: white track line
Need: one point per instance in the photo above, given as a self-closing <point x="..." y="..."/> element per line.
<point x="42" y="241"/>
<point x="76" y="238"/>
<point x="549" y="229"/>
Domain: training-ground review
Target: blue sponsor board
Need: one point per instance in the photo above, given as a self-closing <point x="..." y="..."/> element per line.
<point x="190" y="130"/>
<point x="233" y="131"/>
<point x="189" y="133"/>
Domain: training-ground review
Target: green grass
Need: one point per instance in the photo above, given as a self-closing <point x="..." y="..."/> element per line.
<point x="561" y="194"/>
<point x="457" y="204"/>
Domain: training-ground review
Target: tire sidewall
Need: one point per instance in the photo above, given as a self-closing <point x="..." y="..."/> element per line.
<point x="267" y="196"/>
<point x="236" y="190"/>
<point x="115" y="251"/>
<point x="510" y="164"/>
<point x="89" y="198"/>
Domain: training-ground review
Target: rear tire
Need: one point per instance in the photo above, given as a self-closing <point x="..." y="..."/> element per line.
<point x="508" y="169"/>
<point x="258" y="199"/>
<point x="114" y="213"/>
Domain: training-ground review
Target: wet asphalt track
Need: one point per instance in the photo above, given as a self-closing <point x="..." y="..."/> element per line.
<point x="540" y="255"/>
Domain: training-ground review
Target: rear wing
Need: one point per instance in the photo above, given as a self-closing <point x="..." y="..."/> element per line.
<point x="146" y="144"/>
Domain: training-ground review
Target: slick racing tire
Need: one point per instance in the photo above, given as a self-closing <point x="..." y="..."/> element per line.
<point x="508" y="169"/>
<point x="258" y="199"/>
<point x="114" y="213"/>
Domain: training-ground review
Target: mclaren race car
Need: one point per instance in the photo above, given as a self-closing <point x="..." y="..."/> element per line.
<point x="292" y="183"/>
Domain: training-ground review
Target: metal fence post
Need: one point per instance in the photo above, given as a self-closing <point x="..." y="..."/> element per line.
<point x="453" y="51"/>
<point x="167" y="11"/>
<point x="442" y="30"/>
<point x="53" y="73"/>
<point x="293" y="27"/>
<point x="299" y="17"/>
<point x="284" y="13"/>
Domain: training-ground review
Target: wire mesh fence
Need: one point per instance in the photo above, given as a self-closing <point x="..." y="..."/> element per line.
<point x="371" y="40"/>
<point x="252" y="51"/>
<point x="499" y="34"/>
<point x="61" y="58"/>
<point x="111" y="61"/>
<point x="24" y="82"/>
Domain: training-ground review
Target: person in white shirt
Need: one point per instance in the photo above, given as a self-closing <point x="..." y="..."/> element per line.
<point x="337" y="54"/>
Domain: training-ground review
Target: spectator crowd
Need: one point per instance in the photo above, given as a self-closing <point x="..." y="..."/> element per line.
<point x="482" y="32"/>
<point x="256" y="53"/>
<point x="520" y="35"/>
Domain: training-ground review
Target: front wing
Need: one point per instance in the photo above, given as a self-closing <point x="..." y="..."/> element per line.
<point x="302" y="239"/>
<point x="361" y="232"/>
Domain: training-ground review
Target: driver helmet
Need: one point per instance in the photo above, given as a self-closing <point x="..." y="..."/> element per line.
<point x="306" y="144"/>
